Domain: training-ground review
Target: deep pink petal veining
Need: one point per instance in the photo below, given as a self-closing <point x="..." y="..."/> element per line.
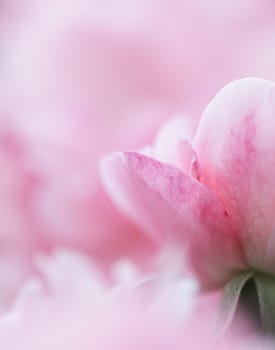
<point x="175" y="208"/>
<point x="235" y="144"/>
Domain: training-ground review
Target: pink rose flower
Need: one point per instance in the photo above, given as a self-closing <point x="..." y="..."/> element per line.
<point x="218" y="202"/>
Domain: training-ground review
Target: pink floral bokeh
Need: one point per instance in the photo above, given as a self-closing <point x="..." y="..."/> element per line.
<point x="81" y="79"/>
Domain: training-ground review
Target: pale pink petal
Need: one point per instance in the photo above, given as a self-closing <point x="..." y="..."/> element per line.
<point x="166" y="145"/>
<point x="172" y="145"/>
<point x="188" y="161"/>
<point x="235" y="144"/>
<point x="177" y="209"/>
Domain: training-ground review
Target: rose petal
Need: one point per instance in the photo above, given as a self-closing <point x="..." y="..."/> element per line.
<point x="175" y="208"/>
<point x="167" y="142"/>
<point x="235" y="144"/>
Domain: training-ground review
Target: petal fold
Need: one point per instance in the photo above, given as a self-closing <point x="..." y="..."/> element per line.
<point x="174" y="208"/>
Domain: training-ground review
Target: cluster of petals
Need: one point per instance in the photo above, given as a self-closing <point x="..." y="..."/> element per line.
<point x="216" y="197"/>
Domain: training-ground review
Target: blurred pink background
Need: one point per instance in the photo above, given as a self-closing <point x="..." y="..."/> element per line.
<point x="81" y="79"/>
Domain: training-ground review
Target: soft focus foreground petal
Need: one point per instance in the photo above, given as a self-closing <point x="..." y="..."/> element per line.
<point x="174" y="208"/>
<point x="78" y="310"/>
<point x="236" y="149"/>
<point x="70" y="307"/>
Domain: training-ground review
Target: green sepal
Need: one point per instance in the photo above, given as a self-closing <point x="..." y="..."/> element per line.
<point x="265" y="285"/>
<point x="263" y="303"/>
<point x="230" y="299"/>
